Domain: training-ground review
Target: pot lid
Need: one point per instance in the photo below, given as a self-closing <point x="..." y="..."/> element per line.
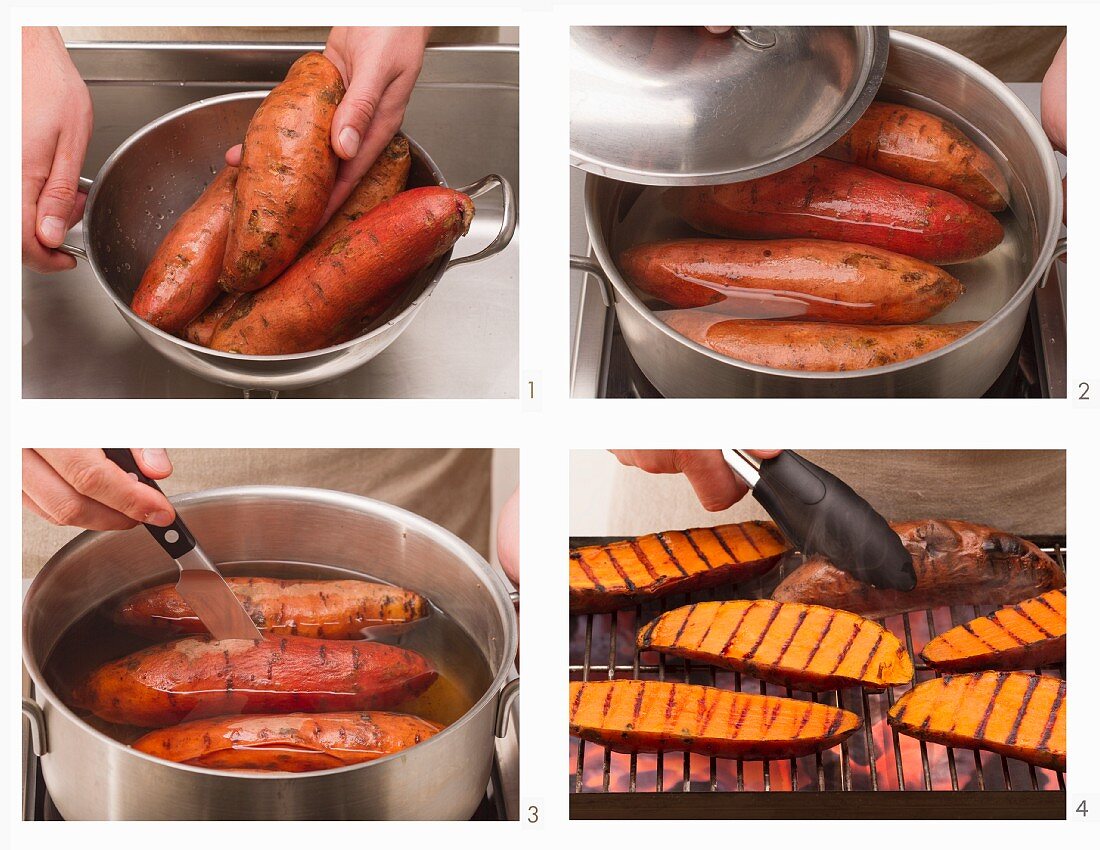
<point x="678" y="106"/>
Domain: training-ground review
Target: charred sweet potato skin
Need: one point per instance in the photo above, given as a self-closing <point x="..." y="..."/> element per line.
<point x="805" y="279"/>
<point x="196" y="677"/>
<point x="182" y="278"/>
<point x="919" y="147"/>
<point x="292" y="743"/>
<point x="956" y="562"/>
<point x="632" y="716"/>
<point x="628" y="572"/>
<point x="335" y="610"/>
<point x="826" y="199"/>
<point x="351" y="276"/>
<point x="287" y="171"/>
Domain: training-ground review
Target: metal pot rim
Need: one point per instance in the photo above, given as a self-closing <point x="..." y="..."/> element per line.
<point x="1039" y="268"/>
<point x="490" y="579"/>
<point x="124" y="308"/>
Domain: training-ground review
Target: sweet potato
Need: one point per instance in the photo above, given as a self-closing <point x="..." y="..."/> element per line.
<point x="385" y="179"/>
<point x="806" y="279"/>
<point x="826" y="199"/>
<point x="196" y="677"/>
<point x="287" y="172"/>
<point x="617" y="575"/>
<point x="292" y="743"/>
<point x="201" y="329"/>
<point x="336" y="610"/>
<point x="1027" y="635"/>
<point x="348" y="277"/>
<point x="631" y="716"/>
<point x="1019" y="715"/>
<point x="920" y="147"/>
<point x="957" y="563"/>
<point x="813" y="346"/>
<point x="808" y="647"/>
<point x="182" y="278"/>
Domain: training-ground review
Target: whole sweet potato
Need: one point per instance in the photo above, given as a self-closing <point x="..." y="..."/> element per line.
<point x="806" y="279"/>
<point x="294" y="743"/>
<point x="349" y="277"/>
<point x="287" y="172"/>
<point x="920" y="147"/>
<point x="826" y="199"/>
<point x="197" y="677"/>
<point x="182" y="278"/>
<point x="200" y="329"/>
<point x="813" y="346"/>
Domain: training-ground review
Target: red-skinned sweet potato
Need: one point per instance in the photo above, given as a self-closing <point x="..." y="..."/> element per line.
<point x="201" y="329"/>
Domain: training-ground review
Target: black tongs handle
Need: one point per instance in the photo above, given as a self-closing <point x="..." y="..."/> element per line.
<point x="175" y="539"/>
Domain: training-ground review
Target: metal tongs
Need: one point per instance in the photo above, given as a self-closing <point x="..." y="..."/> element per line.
<point x="200" y="584"/>
<point x="821" y="515"/>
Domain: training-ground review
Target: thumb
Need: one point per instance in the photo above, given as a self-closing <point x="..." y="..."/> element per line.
<point x="356" y="111"/>
<point x="58" y="199"/>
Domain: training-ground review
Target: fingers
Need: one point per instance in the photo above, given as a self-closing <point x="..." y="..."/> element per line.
<point x="718" y="30"/>
<point x="358" y="108"/>
<point x="715" y="484"/>
<point x="233" y="155"/>
<point x="153" y="462"/>
<point x="59" y="196"/>
<point x="54" y="499"/>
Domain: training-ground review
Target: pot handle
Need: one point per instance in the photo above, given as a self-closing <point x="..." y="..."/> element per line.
<point x="508" y="219"/>
<point x="508" y="695"/>
<point x="77" y="251"/>
<point x="33" y="712"/>
<point x="590" y="266"/>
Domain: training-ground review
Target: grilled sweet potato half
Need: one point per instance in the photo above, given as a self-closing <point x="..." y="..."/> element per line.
<point x="631" y="716"/>
<point x="292" y="743"/>
<point x="627" y="572"/>
<point x="957" y="563"/>
<point x="1019" y="715"/>
<point x="1029" y="634"/>
<point x="807" y="647"/>
<point x="336" y="610"/>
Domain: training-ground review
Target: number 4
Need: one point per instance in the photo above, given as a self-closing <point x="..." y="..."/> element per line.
<point x="1082" y="808"/>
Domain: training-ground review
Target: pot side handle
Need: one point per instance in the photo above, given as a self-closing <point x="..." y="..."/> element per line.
<point x="33" y="712"/>
<point x="508" y="218"/>
<point x="590" y="266"/>
<point x="508" y="695"/>
<point x="77" y="251"/>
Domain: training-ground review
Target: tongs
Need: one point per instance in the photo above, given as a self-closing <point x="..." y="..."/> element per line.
<point x="821" y="515"/>
<point x="200" y="584"/>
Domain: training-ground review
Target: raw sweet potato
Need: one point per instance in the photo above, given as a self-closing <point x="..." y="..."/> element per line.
<point x="292" y="743"/>
<point x="920" y="147"/>
<point x="385" y="179"/>
<point x="344" y="279"/>
<point x="812" y="346"/>
<point x="336" y="610"/>
<point x="805" y="279"/>
<point x="1019" y="715"/>
<point x="826" y="199"/>
<point x="808" y="647"/>
<point x="957" y="563"/>
<point x="1027" y="635"/>
<point x="617" y="575"/>
<point x="631" y="716"/>
<point x="196" y="677"/>
<point x="201" y="329"/>
<point x="287" y="172"/>
<point x="182" y="278"/>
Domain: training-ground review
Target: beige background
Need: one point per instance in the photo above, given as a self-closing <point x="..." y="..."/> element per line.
<point x="293" y="35"/>
<point x="1015" y="54"/>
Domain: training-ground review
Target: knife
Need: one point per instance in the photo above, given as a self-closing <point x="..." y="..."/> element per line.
<point x="200" y="584"/>
<point x="821" y="515"/>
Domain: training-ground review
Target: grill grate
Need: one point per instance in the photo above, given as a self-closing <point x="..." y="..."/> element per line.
<point x="875" y="759"/>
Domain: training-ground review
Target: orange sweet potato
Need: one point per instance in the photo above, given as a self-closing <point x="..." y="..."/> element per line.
<point x="201" y="329"/>
<point x="182" y="278"/>
<point x="287" y="172"/>
<point x="292" y="743"/>
<point x="923" y="148"/>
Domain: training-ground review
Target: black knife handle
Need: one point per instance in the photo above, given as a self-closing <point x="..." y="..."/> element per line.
<point x="175" y="539"/>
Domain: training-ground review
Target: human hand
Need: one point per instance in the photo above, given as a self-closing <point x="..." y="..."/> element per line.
<point x="715" y="484"/>
<point x="508" y="537"/>
<point x="1053" y="105"/>
<point x="57" y="124"/>
<point x="82" y="487"/>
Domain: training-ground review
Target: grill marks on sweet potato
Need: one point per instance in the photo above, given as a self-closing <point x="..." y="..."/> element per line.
<point x="1029" y="634"/>
<point x="807" y="647"/>
<point x="616" y="575"/>
<point x="1019" y="715"/>
<point x="646" y="716"/>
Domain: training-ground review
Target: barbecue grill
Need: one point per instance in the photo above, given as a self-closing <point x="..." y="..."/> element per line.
<point x="876" y="773"/>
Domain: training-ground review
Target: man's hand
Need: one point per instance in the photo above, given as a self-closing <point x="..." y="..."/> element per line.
<point x="82" y="487"/>
<point x="508" y="538"/>
<point x="1053" y="105"/>
<point x="57" y="124"/>
<point x="715" y="484"/>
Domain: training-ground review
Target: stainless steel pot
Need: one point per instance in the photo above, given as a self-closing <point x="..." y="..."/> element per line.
<point x="93" y="776"/>
<point x="999" y="285"/>
<point x="158" y="172"/>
